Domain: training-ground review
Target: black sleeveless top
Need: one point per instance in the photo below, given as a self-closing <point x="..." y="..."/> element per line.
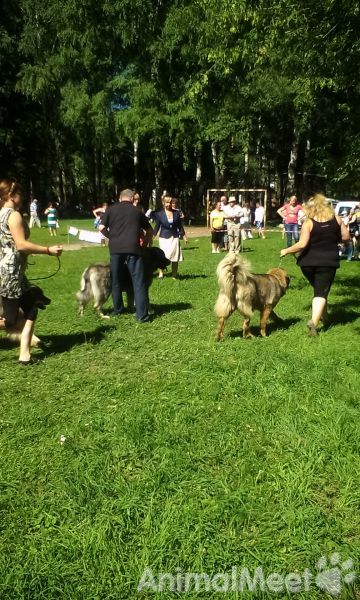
<point x="322" y="249"/>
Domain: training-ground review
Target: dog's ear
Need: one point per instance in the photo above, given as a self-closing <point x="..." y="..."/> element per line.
<point x="281" y="275"/>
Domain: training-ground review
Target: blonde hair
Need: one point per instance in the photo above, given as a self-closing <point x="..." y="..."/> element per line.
<point x="318" y="208"/>
<point x="166" y="199"/>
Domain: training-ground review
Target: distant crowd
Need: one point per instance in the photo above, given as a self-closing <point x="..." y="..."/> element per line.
<point x="232" y="223"/>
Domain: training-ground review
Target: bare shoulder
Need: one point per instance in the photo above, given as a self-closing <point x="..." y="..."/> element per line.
<point x="15" y="218"/>
<point x="307" y="225"/>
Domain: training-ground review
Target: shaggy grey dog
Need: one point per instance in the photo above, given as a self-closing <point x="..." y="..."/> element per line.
<point x="96" y="281"/>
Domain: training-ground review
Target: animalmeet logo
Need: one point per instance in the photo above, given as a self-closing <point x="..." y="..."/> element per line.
<point x="331" y="576"/>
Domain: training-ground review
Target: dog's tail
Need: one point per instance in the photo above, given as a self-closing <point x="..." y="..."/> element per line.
<point x="232" y="272"/>
<point x="233" y="275"/>
<point x="84" y="294"/>
<point x="85" y="278"/>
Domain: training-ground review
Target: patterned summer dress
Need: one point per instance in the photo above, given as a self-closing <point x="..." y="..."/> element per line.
<point x="13" y="282"/>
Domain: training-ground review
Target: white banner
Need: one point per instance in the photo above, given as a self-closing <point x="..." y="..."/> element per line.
<point x="94" y="237"/>
<point x="73" y="231"/>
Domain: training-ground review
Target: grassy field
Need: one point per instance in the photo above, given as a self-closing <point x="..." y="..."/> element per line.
<point x="181" y="454"/>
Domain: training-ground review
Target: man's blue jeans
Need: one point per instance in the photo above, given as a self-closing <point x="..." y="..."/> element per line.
<point x="134" y="264"/>
<point x="291" y="229"/>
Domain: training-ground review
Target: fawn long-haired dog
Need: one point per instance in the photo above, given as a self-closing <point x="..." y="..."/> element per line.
<point x="96" y="280"/>
<point x="243" y="291"/>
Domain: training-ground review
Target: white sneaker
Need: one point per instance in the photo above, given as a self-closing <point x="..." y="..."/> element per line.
<point x="213" y="251"/>
<point x="218" y="251"/>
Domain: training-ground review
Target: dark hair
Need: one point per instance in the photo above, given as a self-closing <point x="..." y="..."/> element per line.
<point x="8" y="188"/>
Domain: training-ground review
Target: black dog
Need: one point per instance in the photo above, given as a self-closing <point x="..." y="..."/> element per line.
<point x="96" y="281"/>
<point x="34" y="297"/>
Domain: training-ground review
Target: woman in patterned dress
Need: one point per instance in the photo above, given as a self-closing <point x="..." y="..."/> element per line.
<point x="14" y="249"/>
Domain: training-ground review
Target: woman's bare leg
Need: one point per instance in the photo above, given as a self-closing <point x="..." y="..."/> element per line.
<point x="25" y="340"/>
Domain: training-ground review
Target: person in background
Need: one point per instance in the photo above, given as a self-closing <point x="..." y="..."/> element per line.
<point x="175" y="206"/>
<point x="233" y="213"/>
<point x="224" y="201"/>
<point x="289" y="213"/>
<point x="354" y="230"/>
<point x="225" y="243"/>
<point x="346" y="248"/>
<point x="52" y="219"/>
<point x="14" y="249"/>
<point x="168" y="224"/>
<point x="245" y="222"/>
<point x="217" y="227"/>
<point x="122" y="224"/>
<point x="98" y="214"/>
<point x="34" y="214"/>
<point x="259" y="220"/>
<point x="319" y="258"/>
<point x="137" y="202"/>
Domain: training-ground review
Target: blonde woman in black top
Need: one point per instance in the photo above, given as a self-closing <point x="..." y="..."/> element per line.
<point x="321" y="233"/>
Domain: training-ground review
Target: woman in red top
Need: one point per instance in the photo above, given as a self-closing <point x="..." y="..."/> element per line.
<point x="289" y="213"/>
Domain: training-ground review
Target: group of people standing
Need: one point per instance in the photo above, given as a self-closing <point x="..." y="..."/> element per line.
<point x="231" y="223"/>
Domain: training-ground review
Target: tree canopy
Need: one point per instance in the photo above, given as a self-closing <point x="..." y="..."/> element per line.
<point x="179" y="94"/>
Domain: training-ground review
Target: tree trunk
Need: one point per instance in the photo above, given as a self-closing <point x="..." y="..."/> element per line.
<point x="92" y="178"/>
<point x="215" y="160"/>
<point x="198" y="175"/>
<point x="293" y="163"/>
<point x="98" y="173"/>
<point x="158" y="172"/>
<point x="246" y="162"/>
<point x="136" y="160"/>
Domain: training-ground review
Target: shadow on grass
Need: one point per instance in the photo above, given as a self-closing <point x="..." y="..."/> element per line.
<point x="271" y="326"/>
<point x="161" y="309"/>
<point x="6" y="344"/>
<point x="59" y="343"/>
<point x="341" y="316"/>
<point x="190" y="248"/>
<point x="192" y="276"/>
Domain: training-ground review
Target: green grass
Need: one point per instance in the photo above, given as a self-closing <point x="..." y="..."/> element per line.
<point x="180" y="452"/>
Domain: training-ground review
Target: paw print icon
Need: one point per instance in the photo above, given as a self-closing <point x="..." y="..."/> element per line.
<point x="333" y="574"/>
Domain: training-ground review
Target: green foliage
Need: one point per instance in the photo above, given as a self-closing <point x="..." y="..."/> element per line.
<point x="178" y="77"/>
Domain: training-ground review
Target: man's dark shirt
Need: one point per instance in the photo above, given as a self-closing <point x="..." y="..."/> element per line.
<point x="124" y="223"/>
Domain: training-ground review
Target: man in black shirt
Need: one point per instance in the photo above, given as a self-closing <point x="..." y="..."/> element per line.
<point x="122" y="223"/>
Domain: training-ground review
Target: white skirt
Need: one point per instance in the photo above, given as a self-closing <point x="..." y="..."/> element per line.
<point x="171" y="248"/>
